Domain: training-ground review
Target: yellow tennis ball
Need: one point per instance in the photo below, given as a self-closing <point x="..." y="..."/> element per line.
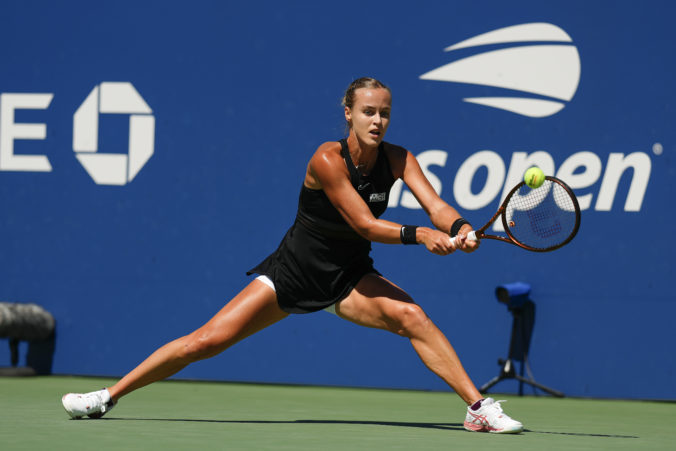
<point x="534" y="177"/>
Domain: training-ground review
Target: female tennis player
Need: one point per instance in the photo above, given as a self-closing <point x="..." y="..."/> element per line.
<point x="323" y="263"/>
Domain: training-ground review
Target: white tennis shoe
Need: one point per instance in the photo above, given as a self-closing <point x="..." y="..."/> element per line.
<point x="490" y="418"/>
<point x="94" y="404"/>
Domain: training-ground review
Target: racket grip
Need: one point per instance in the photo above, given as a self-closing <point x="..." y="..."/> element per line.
<point x="470" y="236"/>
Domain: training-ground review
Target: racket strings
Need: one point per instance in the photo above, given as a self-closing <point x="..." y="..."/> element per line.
<point x="541" y="218"/>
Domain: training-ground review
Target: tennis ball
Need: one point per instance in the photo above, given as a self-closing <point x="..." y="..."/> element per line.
<point x="534" y="177"/>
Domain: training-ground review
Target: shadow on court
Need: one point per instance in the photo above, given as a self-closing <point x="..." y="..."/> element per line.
<point x="578" y="434"/>
<point x="442" y="426"/>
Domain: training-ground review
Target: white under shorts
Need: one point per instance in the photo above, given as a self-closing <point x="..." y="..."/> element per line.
<point x="267" y="281"/>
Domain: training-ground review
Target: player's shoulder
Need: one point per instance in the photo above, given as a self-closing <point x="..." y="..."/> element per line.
<point x="327" y="154"/>
<point x="396" y="155"/>
<point x="394" y="150"/>
<point x="328" y="150"/>
<point x="329" y="147"/>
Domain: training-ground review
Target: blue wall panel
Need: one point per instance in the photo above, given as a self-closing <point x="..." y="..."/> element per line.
<point x="241" y="94"/>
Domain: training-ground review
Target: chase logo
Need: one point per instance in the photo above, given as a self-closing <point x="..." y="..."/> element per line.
<point x="544" y="73"/>
<point x="113" y="168"/>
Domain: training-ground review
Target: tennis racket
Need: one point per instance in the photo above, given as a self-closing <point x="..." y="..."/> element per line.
<point x="540" y="219"/>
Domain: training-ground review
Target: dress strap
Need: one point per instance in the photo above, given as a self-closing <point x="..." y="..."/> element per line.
<point x="345" y="152"/>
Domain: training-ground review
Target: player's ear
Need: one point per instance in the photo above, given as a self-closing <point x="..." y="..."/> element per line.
<point x="348" y="114"/>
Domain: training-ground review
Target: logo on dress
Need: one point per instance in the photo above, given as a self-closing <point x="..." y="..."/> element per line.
<point x="547" y="69"/>
<point x="378" y="197"/>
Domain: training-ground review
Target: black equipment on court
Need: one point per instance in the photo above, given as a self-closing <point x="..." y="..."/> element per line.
<point x="35" y="325"/>
<point x="516" y="297"/>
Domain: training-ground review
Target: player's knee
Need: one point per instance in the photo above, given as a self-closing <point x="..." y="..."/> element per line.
<point x="411" y="320"/>
<point x="200" y="345"/>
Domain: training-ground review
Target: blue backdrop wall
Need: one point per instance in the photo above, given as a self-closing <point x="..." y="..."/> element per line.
<point x="152" y="152"/>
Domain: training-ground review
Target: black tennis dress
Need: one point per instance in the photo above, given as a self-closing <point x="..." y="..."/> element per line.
<point x="321" y="258"/>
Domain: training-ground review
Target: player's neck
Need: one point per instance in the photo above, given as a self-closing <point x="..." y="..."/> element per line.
<point x="363" y="156"/>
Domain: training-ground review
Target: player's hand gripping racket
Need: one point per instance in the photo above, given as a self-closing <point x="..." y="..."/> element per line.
<point x="540" y="219"/>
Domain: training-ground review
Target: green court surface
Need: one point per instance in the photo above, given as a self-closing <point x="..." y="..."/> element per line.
<point x="201" y="415"/>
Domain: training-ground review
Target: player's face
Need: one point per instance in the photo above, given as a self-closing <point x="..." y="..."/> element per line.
<point x="369" y="116"/>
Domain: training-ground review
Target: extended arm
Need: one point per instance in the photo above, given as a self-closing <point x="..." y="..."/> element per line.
<point x="441" y="213"/>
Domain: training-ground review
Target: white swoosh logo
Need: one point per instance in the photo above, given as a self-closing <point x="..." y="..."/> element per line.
<point x="551" y="71"/>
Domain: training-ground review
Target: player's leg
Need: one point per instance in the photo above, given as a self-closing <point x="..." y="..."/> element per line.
<point x="253" y="309"/>
<point x="378" y="303"/>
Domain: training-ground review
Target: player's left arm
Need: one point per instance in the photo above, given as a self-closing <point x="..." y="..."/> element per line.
<point x="442" y="215"/>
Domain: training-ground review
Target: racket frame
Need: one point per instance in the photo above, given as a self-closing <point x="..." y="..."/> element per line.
<point x="480" y="233"/>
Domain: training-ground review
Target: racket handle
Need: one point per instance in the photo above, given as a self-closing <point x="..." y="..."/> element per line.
<point x="470" y="236"/>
